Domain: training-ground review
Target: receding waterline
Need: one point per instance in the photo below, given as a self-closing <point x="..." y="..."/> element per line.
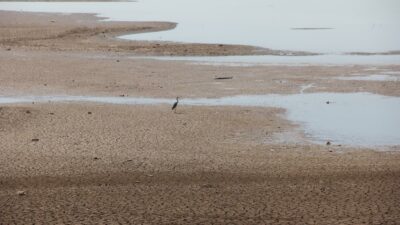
<point x="356" y="119"/>
<point x="374" y="77"/>
<point x="254" y="60"/>
<point x="368" y="27"/>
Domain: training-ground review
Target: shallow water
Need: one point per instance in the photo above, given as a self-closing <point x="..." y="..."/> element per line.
<point x="356" y="119"/>
<point x="377" y="77"/>
<point x="254" y="60"/>
<point x="355" y="25"/>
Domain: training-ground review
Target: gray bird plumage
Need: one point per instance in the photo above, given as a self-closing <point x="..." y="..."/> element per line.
<point x="175" y="104"/>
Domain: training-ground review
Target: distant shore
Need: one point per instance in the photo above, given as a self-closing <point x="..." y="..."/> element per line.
<point x="80" y="163"/>
<point x="85" y="31"/>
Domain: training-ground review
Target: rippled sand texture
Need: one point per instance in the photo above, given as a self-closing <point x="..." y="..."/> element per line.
<point x="96" y="163"/>
<point x="148" y="165"/>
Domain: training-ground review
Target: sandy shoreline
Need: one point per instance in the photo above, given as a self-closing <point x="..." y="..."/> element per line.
<point x="114" y="74"/>
<point x="57" y="32"/>
<point x="108" y="164"/>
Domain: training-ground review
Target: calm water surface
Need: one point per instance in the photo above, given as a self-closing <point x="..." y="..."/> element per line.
<point x="357" y="119"/>
<point x="375" y="77"/>
<point x="354" y="25"/>
<point x="254" y="60"/>
<point x="360" y="119"/>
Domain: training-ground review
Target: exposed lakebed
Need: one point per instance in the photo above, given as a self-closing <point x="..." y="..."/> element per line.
<point x="331" y="28"/>
<point x="355" y="119"/>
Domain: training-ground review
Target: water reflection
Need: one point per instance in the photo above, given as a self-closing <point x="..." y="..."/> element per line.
<point x="358" y="119"/>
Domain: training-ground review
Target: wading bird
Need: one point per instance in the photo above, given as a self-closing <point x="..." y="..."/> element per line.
<point x="175" y="104"/>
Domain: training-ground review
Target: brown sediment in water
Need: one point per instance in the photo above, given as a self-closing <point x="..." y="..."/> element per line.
<point x="100" y="163"/>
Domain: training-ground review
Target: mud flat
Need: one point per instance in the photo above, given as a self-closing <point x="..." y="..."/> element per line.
<point x="355" y="119"/>
<point x="60" y="32"/>
<point x="98" y="163"/>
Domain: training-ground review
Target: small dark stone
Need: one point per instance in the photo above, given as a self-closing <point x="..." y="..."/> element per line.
<point x="96" y="158"/>
<point x="328" y="143"/>
<point x="8" y="49"/>
<point x="223" y="78"/>
<point x="27" y="112"/>
<point x="21" y="193"/>
<point x="35" y="139"/>
<point x="51" y="113"/>
<point x="206" y="186"/>
<point x="122" y="95"/>
<point x="90" y="113"/>
<point x="328" y="102"/>
<point x="117" y="60"/>
<point x="45" y="84"/>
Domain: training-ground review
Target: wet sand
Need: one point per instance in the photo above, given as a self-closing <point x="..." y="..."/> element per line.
<point x="83" y="32"/>
<point x="115" y="74"/>
<point x="107" y="164"/>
